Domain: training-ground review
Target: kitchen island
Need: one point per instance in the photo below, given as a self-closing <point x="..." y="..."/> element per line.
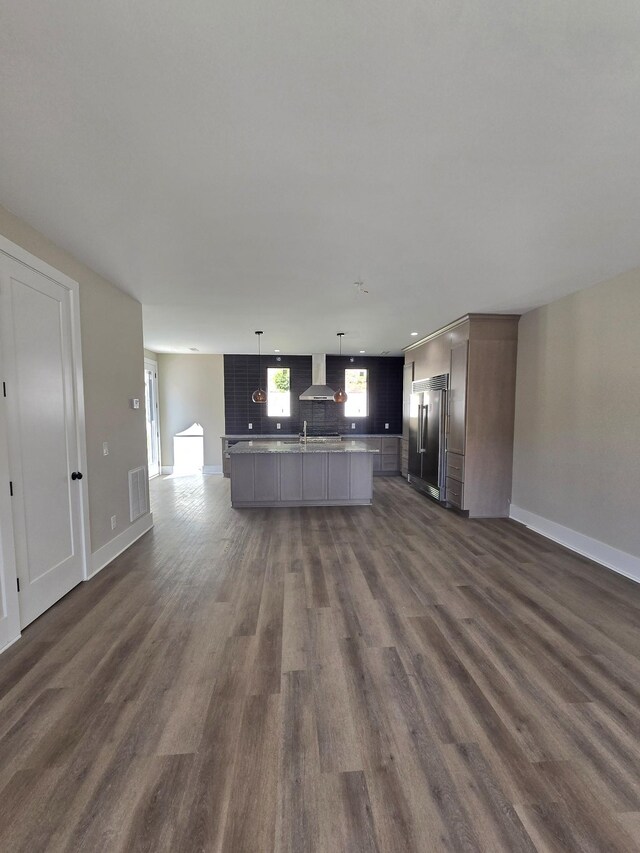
<point x="291" y="473"/>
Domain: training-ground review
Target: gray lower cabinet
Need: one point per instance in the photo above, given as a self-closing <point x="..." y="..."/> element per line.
<point x="314" y="476"/>
<point x="338" y="476"/>
<point x="267" y="477"/>
<point x="360" y="476"/>
<point x="296" y="479"/>
<point x="291" y="477"/>
<point x="243" y="479"/>
<point x="228" y="442"/>
<point x="389" y="463"/>
<point x="389" y="445"/>
<point x="387" y="460"/>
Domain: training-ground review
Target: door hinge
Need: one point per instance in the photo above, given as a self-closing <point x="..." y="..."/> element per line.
<point x="10" y="489"/>
<point x="18" y="583"/>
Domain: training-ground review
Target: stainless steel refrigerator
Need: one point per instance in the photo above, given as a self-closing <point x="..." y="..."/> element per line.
<point x="427" y="421"/>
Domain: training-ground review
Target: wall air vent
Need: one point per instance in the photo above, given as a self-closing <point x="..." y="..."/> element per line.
<point x="434" y="383"/>
<point x="138" y="492"/>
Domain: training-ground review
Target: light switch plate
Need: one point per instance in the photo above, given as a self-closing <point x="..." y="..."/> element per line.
<point x="134" y="402"/>
<point x="277" y="426"/>
<point x="105" y="448"/>
<point x="353" y="426"/>
<point x="250" y="426"/>
<point x="386" y="426"/>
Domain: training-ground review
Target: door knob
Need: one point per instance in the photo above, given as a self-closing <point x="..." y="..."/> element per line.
<point x="76" y="475"/>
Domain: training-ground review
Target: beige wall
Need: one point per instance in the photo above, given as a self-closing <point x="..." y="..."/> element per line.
<point x="112" y="359"/>
<point x="191" y="389"/>
<point x="577" y="431"/>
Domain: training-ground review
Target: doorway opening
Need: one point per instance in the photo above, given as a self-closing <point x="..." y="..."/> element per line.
<point x="153" y="416"/>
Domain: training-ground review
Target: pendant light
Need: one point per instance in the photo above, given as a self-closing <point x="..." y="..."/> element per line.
<point x="259" y="396"/>
<point x="340" y="396"/>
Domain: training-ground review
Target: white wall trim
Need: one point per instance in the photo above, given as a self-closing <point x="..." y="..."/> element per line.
<point x="10" y="603"/>
<point x="10" y="643"/>
<point x="612" y="558"/>
<point x="152" y="363"/>
<point x="114" y="547"/>
<point x="19" y="254"/>
<point x="81" y="435"/>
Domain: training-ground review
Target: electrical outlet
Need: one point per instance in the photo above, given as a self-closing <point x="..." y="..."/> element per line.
<point x="386" y="426"/>
<point x="250" y="426"/>
<point x="113" y="522"/>
<point x="353" y="426"/>
<point x="277" y="426"/>
<point x="105" y="448"/>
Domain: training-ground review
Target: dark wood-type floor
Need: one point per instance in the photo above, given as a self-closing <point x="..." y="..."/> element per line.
<point x="393" y="678"/>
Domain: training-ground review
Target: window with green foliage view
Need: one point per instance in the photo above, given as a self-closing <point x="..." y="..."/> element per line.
<point x="278" y="392"/>
<point x="355" y="384"/>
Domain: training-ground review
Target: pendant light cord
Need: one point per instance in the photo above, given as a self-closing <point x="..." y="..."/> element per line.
<point x="340" y="396"/>
<point x="259" y="396"/>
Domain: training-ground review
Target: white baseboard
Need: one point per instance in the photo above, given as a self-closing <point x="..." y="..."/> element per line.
<point x="103" y="556"/>
<point x="619" y="561"/>
<point x="10" y="643"/>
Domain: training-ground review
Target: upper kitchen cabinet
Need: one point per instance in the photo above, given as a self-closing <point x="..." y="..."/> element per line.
<point x="478" y="352"/>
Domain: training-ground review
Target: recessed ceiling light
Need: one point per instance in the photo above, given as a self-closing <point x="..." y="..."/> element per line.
<point x="414" y="334"/>
<point x="276" y="350"/>
<point x="361" y="351"/>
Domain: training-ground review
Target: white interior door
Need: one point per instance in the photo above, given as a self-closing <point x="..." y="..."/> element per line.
<point x="152" y="414"/>
<point x="40" y="404"/>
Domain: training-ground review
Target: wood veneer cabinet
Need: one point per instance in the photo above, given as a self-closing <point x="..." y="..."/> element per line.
<point x="478" y="352"/>
<point x="407" y="379"/>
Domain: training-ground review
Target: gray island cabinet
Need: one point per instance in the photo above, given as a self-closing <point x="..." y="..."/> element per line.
<point x="281" y="473"/>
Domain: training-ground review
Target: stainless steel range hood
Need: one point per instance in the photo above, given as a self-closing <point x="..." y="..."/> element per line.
<point x="319" y="390"/>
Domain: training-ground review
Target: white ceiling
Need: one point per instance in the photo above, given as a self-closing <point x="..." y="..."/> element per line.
<point x="238" y="164"/>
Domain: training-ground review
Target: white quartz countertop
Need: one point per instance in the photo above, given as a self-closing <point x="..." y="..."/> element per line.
<point x="294" y="446"/>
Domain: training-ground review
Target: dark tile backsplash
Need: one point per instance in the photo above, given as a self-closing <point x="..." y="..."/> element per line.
<point x="241" y="378"/>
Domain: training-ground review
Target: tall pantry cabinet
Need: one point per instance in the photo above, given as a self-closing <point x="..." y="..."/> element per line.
<point x="478" y="352"/>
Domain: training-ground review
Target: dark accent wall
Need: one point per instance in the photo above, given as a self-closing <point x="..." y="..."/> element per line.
<point x="241" y="378"/>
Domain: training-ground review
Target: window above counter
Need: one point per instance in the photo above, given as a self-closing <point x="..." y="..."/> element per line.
<point x="356" y="384"/>
<point x="278" y="392"/>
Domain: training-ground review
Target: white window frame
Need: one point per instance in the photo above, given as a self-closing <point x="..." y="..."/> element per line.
<point x="347" y="412"/>
<point x="152" y="365"/>
<point x="278" y="394"/>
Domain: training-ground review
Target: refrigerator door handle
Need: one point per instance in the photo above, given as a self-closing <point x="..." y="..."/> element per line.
<point x="443" y="427"/>
<point x="423" y="419"/>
